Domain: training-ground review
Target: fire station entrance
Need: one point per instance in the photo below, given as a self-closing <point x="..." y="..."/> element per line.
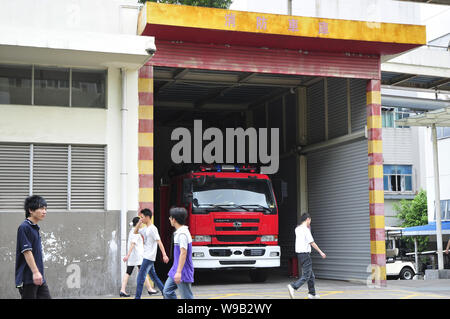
<point x="323" y="94"/>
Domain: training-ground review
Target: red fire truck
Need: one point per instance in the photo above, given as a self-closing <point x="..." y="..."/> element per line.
<point x="232" y="217"/>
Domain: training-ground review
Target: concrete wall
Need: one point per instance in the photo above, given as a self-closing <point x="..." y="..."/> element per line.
<point x="362" y="10"/>
<point x="444" y="172"/>
<point x="401" y="146"/>
<point x="84" y="126"/>
<point x="104" y="16"/>
<point x="75" y="245"/>
<point x="84" y="245"/>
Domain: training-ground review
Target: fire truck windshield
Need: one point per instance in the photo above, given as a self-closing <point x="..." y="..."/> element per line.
<point x="234" y="194"/>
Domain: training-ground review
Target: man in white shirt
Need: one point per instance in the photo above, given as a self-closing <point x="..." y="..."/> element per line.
<point x="303" y="243"/>
<point x="151" y="242"/>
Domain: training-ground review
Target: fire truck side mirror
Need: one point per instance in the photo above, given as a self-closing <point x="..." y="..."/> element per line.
<point x="187" y="191"/>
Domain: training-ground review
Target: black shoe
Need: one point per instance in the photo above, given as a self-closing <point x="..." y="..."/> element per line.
<point x="123" y="295"/>
<point x="152" y="292"/>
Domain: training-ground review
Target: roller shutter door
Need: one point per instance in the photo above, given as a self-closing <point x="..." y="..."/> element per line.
<point x="87" y="177"/>
<point x="338" y="198"/>
<point x="50" y="174"/>
<point x="14" y="175"/>
<point x="264" y="60"/>
<point x="69" y="177"/>
<point x="316" y="113"/>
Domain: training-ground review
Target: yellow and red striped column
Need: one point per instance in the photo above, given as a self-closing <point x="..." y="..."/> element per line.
<point x="376" y="188"/>
<point x="145" y="137"/>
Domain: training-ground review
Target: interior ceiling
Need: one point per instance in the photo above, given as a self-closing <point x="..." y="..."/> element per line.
<point x="184" y="94"/>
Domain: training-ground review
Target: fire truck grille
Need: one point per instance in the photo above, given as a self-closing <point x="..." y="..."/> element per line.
<point x="236" y="238"/>
<point x="236" y="228"/>
<point x="239" y="220"/>
<point x="237" y="262"/>
<point x="220" y="252"/>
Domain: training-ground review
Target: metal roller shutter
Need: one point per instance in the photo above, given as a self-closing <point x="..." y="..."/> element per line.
<point x="87" y="177"/>
<point x="50" y="174"/>
<point x="337" y="107"/>
<point x="338" y="197"/>
<point x="264" y="60"/>
<point x="358" y="102"/>
<point x="316" y="113"/>
<point x="14" y="175"/>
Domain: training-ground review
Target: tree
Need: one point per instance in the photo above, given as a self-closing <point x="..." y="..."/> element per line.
<point x="414" y="213"/>
<point x="222" y="4"/>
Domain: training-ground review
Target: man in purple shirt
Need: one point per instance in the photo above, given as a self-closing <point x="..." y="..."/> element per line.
<point x="181" y="275"/>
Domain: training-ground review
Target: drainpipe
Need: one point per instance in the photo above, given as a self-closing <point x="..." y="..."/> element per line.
<point x="123" y="174"/>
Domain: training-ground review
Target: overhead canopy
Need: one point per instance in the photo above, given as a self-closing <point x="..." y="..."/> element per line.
<point x="220" y="26"/>
<point x="426" y="230"/>
<point x="413" y="102"/>
<point x="440" y="117"/>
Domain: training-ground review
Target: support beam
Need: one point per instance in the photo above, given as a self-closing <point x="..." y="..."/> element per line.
<point x="437" y="198"/>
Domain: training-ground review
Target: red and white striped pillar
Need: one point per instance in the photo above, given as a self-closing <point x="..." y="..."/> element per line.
<point x="145" y="137"/>
<point x="376" y="188"/>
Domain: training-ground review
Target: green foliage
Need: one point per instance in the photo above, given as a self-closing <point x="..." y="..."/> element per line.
<point x="222" y="4"/>
<point x="414" y="213"/>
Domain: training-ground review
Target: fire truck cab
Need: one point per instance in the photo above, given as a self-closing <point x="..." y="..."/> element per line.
<point x="232" y="217"/>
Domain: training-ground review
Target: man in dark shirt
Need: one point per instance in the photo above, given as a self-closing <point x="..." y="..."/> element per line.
<point x="29" y="261"/>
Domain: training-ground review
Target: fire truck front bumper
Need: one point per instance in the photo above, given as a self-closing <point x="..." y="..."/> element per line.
<point x="236" y="257"/>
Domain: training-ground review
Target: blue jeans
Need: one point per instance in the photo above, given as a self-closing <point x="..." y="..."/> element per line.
<point x="305" y="260"/>
<point x="147" y="267"/>
<point x="171" y="286"/>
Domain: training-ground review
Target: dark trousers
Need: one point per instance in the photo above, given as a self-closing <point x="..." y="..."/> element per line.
<point x="35" y="292"/>
<point x="304" y="259"/>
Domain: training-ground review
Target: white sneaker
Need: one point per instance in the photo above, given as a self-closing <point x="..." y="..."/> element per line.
<point x="291" y="291"/>
<point x="313" y="296"/>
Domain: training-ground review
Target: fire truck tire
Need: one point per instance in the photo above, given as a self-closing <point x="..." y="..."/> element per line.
<point x="258" y="275"/>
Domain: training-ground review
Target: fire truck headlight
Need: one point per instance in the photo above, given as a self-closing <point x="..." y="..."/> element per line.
<point x="274" y="254"/>
<point x="201" y="238"/>
<point x="269" y="238"/>
<point x="198" y="254"/>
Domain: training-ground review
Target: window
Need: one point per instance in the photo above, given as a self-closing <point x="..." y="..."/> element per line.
<point x="36" y="85"/>
<point x="229" y="194"/>
<point x="69" y="177"/>
<point x="445" y="210"/>
<point x="88" y="88"/>
<point x="443" y="132"/>
<point x="390" y="115"/>
<point x="15" y="84"/>
<point x="51" y="86"/>
<point x="397" y="178"/>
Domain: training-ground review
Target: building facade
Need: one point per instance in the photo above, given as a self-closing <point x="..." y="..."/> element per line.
<point x="86" y="120"/>
<point x="69" y="71"/>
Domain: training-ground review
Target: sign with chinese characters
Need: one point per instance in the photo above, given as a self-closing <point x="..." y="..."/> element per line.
<point x="159" y="14"/>
<point x="261" y="23"/>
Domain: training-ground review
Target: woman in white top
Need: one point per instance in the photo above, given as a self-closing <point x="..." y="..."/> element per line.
<point x="134" y="258"/>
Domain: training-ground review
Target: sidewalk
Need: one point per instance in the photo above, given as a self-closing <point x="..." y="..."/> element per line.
<point x="227" y="286"/>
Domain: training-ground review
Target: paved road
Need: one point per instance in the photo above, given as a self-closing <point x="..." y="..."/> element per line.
<point x="236" y="285"/>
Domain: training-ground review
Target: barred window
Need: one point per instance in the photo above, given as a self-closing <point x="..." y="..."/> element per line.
<point x="69" y="177"/>
<point x="397" y="178"/>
